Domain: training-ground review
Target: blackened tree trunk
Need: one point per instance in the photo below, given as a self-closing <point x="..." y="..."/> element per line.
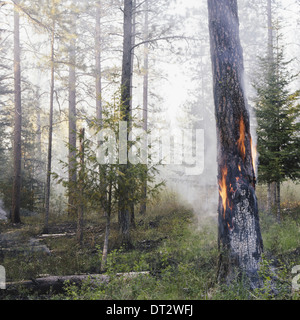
<point x="126" y="82"/>
<point x="72" y="123"/>
<point x="239" y="235"/>
<point x="16" y="195"/>
<point x="50" y="134"/>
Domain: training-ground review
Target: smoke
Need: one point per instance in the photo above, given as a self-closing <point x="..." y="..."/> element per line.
<point x="196" y="184"/>
<point x="201" y="191"/>
<point x="3" y="214"/>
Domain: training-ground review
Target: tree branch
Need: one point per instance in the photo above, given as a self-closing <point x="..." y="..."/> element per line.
<point x="166" y="39"/>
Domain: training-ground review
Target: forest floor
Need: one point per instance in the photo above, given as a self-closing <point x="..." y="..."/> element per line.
<point x="178" y="250"/>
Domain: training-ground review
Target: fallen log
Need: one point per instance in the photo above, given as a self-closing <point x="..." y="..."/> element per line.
<point x="56" y="284"/>
<point x="53" y="283"/>
<point x="56" y="235"/>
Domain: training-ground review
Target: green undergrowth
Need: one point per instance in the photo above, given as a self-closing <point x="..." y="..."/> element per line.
<point x="182" y="266"/>
<point x="174" y="256"/>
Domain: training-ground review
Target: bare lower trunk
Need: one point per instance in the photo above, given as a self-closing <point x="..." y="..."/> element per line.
<point x="106" y="242"/>
<point x="143" y="207"/>
<point x="81" y="187"/>
<point x="278" y="202"/>
<point x="107" y="228"/>
<point x="240" y="240"/>
<point x="269" y="198"/>
<point x="274" y="194"/>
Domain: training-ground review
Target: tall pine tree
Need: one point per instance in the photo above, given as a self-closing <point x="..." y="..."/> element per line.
<point x="277" y="111"/>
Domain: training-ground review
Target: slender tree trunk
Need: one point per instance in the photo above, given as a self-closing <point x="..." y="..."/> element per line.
<point x="16" y="194"/>
<point x="106" y="242"/>
<point x="272" y="185"/>
<point x="239" y="237"/>
<point x="39" y="168"/>
<point x="269" y="198"/>
<point x="72" y="124"/>
<point x="132" y="213"/>
<point x="39" y="127"/>
<point x="81" y="188"/>
<point x="143" y="206"/>
<point x="107" y="228"/>
<point x="50" y="138"/>
<point x="98" y="62"/>
<point x="99" y="115"/>
<point x="274" y="194"/>
<point x="278" y="202"/>
<point x="126" y="82"/>
<point x="132" y="57"/>
<point x="270" y="31"/>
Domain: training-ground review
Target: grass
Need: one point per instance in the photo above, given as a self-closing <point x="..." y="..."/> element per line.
<point x="179" y="251"/>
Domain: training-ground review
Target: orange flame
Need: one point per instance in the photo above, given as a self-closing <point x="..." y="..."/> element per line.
<point x="241" y="141"/>
<point x="254" y="155"/>
<point x="223" y="189"/>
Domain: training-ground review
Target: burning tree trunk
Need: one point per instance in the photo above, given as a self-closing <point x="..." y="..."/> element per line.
<point x="239" y="237"/>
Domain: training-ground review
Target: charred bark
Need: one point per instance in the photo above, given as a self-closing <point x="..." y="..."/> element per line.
<point x="239" y="237"/>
